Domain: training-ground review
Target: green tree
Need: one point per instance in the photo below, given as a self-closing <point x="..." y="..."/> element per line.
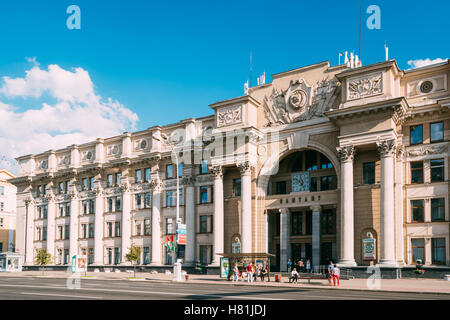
<point x="133" y="256"/>
<point x="43" y="258"/>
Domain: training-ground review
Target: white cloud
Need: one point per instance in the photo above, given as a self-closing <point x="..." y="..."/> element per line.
<point x="79" y="115"/>
<point x="424" y="62"/>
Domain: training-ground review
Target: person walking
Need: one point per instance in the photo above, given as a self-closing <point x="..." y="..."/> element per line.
<point x="289" y="265"/>
<point x="235" y="273"/>
<point x="250" y="273"/>
<point x="308" y="266"/>
<point x="330" y="273"/>
<point x="336" y="275"/>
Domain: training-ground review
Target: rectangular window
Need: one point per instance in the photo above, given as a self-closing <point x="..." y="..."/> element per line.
<point x="325" y="163"/>
<point x="91" y="230"/>
<point x="147" y="174"/>
<point x="91" y="183"/>
<point x="203" y="194"/>
<point x="327" y="223"/>
<point x="138" y="176"/>
<point x="416" y="134"/>
<point x="308" y="223"/>
<point x="109" y="255"/>
<point x="438" y="209"/>
<point x="327" y="183"/>
<point x="280" y="187"/>
<point x="118" y="177"/>
<point x="297" y="223"/>
<point x="147" y="202"/>
<point x="67" y="186"/>
<point x="138" y="228"/>
<point x="85" y="207"/>
<point x="205" y="254"/>
<point x="67" y="209"/>
<point x="67" y="231"/>
<point x="110" y="229"/>
<point x="180" y="170"/>
<point x="85" y="183"/>
<point x="418" y="250"/>
<point x="311" y="160"/>
<point x="170" y="229"/>
<point x="170" y="198"/>
<point x="45" y="211"/>
<point x="314" y="183"/>
<point x="60" y="233"/>
<point x="416" y="171"/>
<point x="92" y="206"/>
<point x="437" y="131"/>
<point x="84" y="232"/>
<point x="61" y="187"/>
<point x="237" y="187"/>
<point x="110" y="180"/>
<point x="438" y="251"/>
<point x="369" y="172"/>
<point x="204" y="224"/>
<point x="44" y="233"/>
<point x="2" y="190"/>
<point x="437" y="170"/>
<point x="116" y="255"/>
<point x="147" y="227"/>
<point x="66" y="256"/>
<point x="61" y="209"/>
<point x="110" y="204"/>
<point x="146" y="255"/>
<point x="204" y="167"/>
<point x="118" y="202"/>
<point x="117" y="229"/>
<point x="91" y="256"/>
<point x="138" y="200"/>
<point x="169" y="171"/>
<point x="417" y="210"/>
<point x="180" y="197"/>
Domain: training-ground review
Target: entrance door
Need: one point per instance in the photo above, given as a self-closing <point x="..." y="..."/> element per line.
<point x="326" y="252"/>
<point x="296" y="252"/>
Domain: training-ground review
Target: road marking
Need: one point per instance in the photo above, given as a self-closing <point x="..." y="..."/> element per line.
<point x="59" y="295"/>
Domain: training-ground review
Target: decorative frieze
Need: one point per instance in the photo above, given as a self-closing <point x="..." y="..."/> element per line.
<point x="229" y="116"/>
<point x="364" y="87"/>
<point x="426" y="150"/>
<point x="346" y="153"/>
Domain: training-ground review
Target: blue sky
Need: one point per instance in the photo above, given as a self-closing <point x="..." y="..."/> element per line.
<point x="168" y="60"/>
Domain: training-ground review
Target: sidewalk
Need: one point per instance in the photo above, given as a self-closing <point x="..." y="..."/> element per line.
<point x="435" y="286"/>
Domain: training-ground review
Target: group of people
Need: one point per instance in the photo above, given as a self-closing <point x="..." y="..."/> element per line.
<point x="251" y="271"/>
<point x="300" y="266"/>
<point x="333" y="274"/>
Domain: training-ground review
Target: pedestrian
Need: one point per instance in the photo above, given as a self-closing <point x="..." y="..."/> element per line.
<point x="255" y="272"/>
<point x="263" y="273"/>
<point x="308" y="266"/>
<point x="235" y="273"/>
<point x="336" y="274"/>
<point x="294" y="276"/>
<point x="250" y="272"/>
<point x="301" y="267"/>
<point x="330" y="273"/>
<point x="289" y="265"/>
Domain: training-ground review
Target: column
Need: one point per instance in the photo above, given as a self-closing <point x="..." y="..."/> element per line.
<point x="51" y="223"/>
<point x="30" y="214"/>
<point x="316" y="235"/>
<point x="346" y="155"/>
<point x="126" y="222"/>
<point x="246" y="207"/>
<point x="189" y="258"/>
<point x="218" y="214"/>
<point x="284" y="238"/>
<point x="98" y="228"/>
<point x="386" y="150"/>
<point x="156" y="222"/>
<point x="74" y="213"/>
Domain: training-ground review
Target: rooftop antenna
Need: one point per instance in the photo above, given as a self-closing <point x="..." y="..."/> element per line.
<point x="386" y="51"/>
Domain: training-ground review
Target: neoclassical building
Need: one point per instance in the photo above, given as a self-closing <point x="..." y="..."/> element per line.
<point x="7" y="212"/>
<point x="326" y="162"/>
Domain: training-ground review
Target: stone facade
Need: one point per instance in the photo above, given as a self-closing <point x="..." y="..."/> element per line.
<point x="7" y="212"/>
<point x="353" y="144"/>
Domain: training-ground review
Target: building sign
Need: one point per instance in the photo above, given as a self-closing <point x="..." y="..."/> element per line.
<point x="181" y="234"/>
<point x="224" y="267"/>
<point x="369" y="249"/>
<point x="300" y="182"/>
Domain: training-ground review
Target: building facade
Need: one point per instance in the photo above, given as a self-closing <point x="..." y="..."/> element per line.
<point x="344" y="163"/>
<point x="7" y="212"/>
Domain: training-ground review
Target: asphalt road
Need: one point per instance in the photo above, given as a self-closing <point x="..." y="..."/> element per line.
<point x="13" y="288"/>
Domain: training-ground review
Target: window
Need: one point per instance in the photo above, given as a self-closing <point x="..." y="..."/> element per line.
<point x="91" y="183"/>
<point x="109" y="255"/>
<point x="204" y="194"/>
<point x="84" y="228"/>
<point x="85" y="207"/>
<point x="416" y="134"/>
<point x="436" y="132"/>
<point x="204" y="167"/>
<point x="110" y="204"/>
<point x="205" y="224"/>
<point x="61" y="209"/>
<point x="91" y="230"/>
<point x="138" y="175"/>
<point x="280" y="187"/>
<point x="67" y="231"/>
<point x="116" y="255"/>
<point x="110" y="180"/>
<point x="417" y="210"/>
<point x="138" y="200"/>
<point x="138" y="228"/>
<point x="44" y="233"/>
<point x="438" y="251"/>
<point x="118" y="177"/>
<point x="327" y="183"/>
<point x="325" y="163"/>
<point x="146" y="255"/>
<point x="180" y="197"/>
<point x="60" y="233"/>
<point x="437" y="170"/>
<point x="438" y="209"/>
<point x="328" y="225"/>
<point x="314" y="183"/>
<point x="170" y="198"/>
<point x="2" y="190"/>
<point x="205" y="254"/>
<point x="369" y="172"/>
<point x="147" y="174"/>
<point x="118" y="208"/>
<point x="418" y="249"/>
<point x="67" y="186"/>
<point x="237" y="187"/>
<point x="169" y="171"/>
<point x="117" y="229"/>
<point x="180" y="170"/>
<point x="45" y="211"/>
<point x="1" y="222"/>
<point x="147" y="227"/>
<point x="169" y="226"/>
<point x="297" y="223"/>
<point x="67" y="209"/>
<point x="416" y="172"/>
<point x="308" y="223"/>
<point x="91" y="256"/>
<point x="91" y="206"/>
<point x="61" y="187"/>
<point x="109" y="227"/>
<point x="66" y="256"/>
<point x="311" y="160"/>
<point x="147" y="202"/>
<point x="85" y="183"/>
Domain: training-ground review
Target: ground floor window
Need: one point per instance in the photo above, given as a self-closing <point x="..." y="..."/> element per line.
<point x="438" y="251"/>
<point x="146" y="255"/>
<point x="66" y="256"/>
<point x="109" y="255"/>
<point x="205" y="254"/>
<point x="418" y="250"/>
<point x="91" y="256"/>
<point x="116" y="255"/>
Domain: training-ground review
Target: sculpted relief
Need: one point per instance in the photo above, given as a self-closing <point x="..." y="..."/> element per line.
<point x="300" y="101"/>
<point x="365" y="87"/>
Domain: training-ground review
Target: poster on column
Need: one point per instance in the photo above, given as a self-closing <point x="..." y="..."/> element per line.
<point x="181" y="234"/>
<point x="369" y="249"/>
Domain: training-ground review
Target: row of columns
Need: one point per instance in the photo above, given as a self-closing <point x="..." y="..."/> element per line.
<point x="386" y="150"/>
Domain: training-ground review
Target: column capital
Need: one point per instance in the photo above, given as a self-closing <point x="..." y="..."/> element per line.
<point x="284" y="210"/>
<point x="73" y="194"/>
<point x="316" y="208"/>
<point x="346" y="153"/>
<point x="29" y="201"/>
<point x="217" y="171"/>
<point x="245" y="168"/>
<point x="188" y="181"/>
<point x="125" y="187"/>
<point x="98" y="191"/>
<point x="386" y="148"/>
<point x="156" y="184"/>
<point x="50" y="197"/>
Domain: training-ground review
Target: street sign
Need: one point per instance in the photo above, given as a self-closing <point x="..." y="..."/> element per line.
<point x="181" y="234"/>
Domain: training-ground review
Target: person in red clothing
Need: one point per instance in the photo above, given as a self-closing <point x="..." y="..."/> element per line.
<point x="336" y="273"/>
<point x="250" y="272"/>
